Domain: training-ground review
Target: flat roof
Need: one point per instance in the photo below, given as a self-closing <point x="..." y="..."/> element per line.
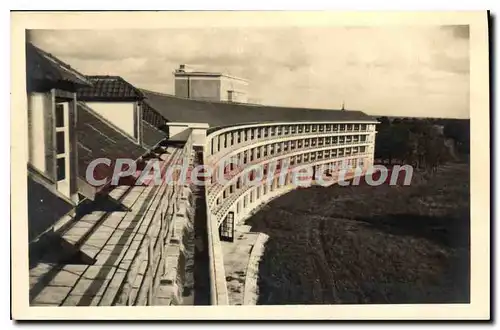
<point x="206" y="74"/>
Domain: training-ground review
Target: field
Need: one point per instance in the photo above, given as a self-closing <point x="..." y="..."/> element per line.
<point x="364" y="244"/>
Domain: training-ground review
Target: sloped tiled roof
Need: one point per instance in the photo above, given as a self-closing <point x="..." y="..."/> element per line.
<point x="151" y="136"/>
<point x="221" y="114"/>
<point x="42" y="66"/>
<point x="109" y="88"/>
<point x="152" y="116"/>
<point x="97" y="138"/>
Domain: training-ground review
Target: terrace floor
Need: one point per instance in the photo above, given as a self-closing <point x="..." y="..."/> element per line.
<point x="236" y="258"/>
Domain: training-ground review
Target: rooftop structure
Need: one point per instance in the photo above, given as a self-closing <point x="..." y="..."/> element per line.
<point x="209" y="86"/>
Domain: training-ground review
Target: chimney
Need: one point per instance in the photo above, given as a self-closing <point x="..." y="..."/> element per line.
<point x="182" y="68"/>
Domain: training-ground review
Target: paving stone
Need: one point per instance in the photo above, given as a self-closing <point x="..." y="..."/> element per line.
<point x="83" y="224"/>
<point x="90" y="251"/>
<point x="105" y="229"/>
<point x="40" y="269"/>
<point x="114" y="248"/>
<point x="99" y="272"/>
<point x="95" y="242"/>
<point x="89" y="287"/>
<point x="106" y="259"/>
<point x="64" y="278"/>
<point x="52" y="295"/>
<point x="95" y="216"/>
<point x="77" y="300"/>
<point x="76" y="269"/>
<point x="101" y="235"/>
<point x="113" y="287"/>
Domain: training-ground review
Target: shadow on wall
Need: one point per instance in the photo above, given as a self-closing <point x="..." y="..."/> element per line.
<point x="44" y="208"/>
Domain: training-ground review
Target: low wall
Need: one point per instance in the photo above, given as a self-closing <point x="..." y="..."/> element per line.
<point x="218" y="285"/>
<point x="250" y="295"/>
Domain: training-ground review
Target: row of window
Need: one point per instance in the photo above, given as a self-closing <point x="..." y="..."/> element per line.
<point x="297" y="160"/>
<point x="254" y="154"/>
<point x="255" y="193"/>
<point x="226" y="140"/>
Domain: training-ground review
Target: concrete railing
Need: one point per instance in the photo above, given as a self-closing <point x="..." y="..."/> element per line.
<point x="216" y="188"/>
<point x="218" y="286"/>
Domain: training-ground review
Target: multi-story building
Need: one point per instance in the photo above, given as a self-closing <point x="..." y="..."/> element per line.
<point x="209" y="86"/>
<point x="251" y="147"/>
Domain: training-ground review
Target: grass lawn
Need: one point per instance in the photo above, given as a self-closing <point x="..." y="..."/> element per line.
<point x="363" y="244"/>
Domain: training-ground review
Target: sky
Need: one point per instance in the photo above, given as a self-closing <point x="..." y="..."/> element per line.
<point x="395" y="70"/>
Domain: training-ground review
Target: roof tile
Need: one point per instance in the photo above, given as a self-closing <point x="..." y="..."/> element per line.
<point x="109" y="88"/>
<point x="43" y="66"/>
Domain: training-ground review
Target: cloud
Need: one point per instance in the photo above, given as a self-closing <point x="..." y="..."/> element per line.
<point x="407" y="71"/>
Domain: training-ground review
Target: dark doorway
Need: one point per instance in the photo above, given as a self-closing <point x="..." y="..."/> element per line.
<point x="226" y="229"/>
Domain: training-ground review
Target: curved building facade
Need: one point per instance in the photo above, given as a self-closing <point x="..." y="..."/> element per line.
<point x="252" y="163"/>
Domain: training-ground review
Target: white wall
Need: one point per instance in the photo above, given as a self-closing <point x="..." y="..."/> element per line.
<point x="178" y="132"/>
<point x="199" y="136"/>
<point x="120" y="114"/>
<point x="36" y="139"/>
<point x="182" y="131"/>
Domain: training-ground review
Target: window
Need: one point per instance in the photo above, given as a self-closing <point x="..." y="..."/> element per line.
<point x="60" y="146"/>
<point x="60" y="142"/>
<point x="59" y="115"/>
<point x="61" y="168"/>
